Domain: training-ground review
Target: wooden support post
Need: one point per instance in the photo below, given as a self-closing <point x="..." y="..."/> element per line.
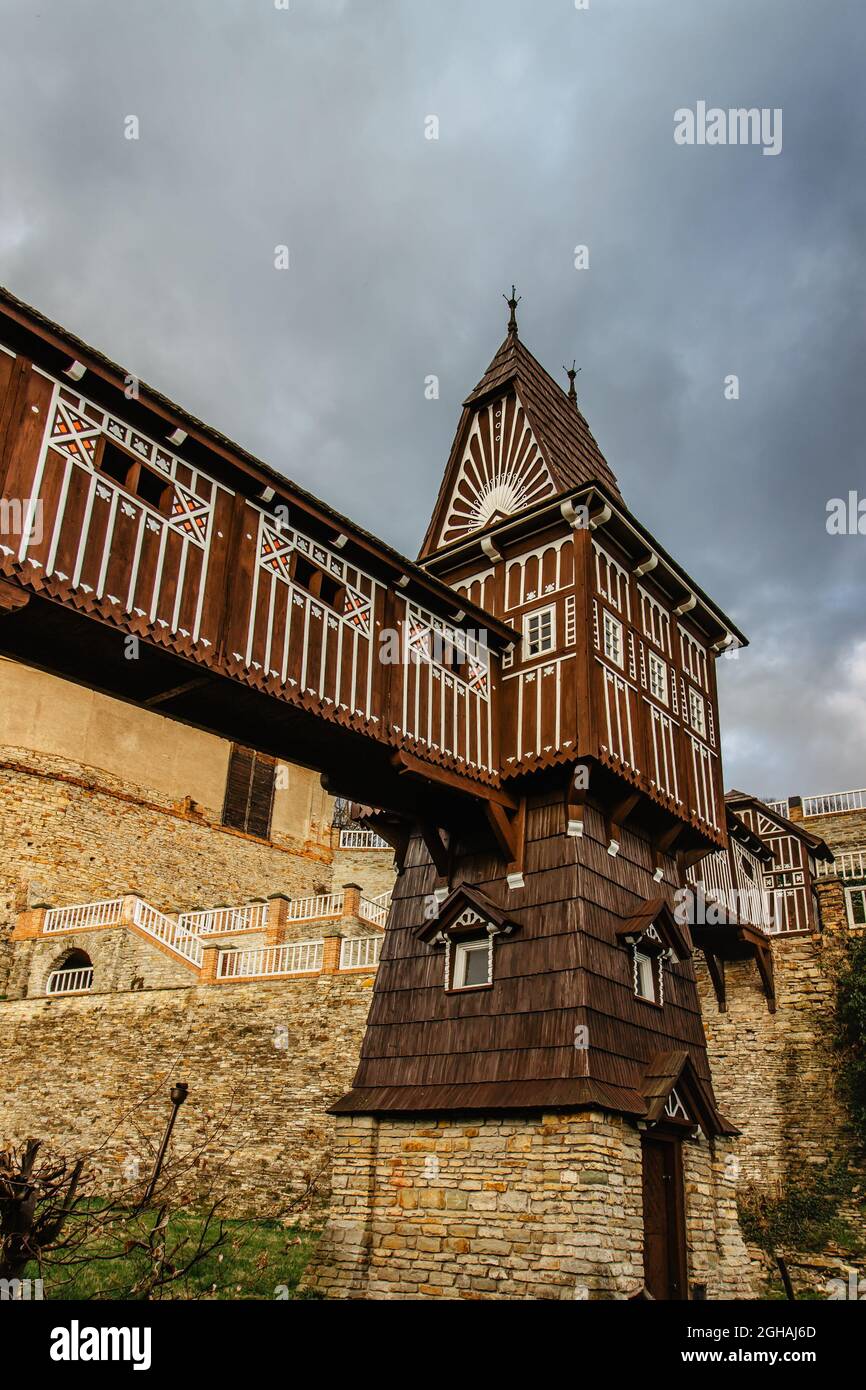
<point x="716" y="968"/>
<point x="764" y="961"/>
<point x="510" y="835"/>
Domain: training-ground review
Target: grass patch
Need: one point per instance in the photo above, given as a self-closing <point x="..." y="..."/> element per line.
<point x="257" y="1259"/>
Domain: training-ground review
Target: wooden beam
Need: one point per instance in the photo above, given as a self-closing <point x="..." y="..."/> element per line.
<point x="164" y="695"/>
<point x="665" y="842"/>
<point x="407" y="763"/>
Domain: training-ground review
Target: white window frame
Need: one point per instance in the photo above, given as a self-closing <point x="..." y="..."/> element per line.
<point x="659" y="670"/>
<point x="543" y="643"/>
<point x="643" y="965"/>
<point x="697" y="707"/>
<point x="613" y="650"/>
<point x="850" y="894"/>
<point x="462" y="951"/>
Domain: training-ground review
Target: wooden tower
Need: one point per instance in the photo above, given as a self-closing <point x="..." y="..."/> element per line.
<point x="535" y="1009"/>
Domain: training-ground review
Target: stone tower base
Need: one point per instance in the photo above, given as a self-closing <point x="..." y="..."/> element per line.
<point x="546" y="1206"/>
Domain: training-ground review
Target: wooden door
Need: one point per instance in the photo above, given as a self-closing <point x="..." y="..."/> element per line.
<point x="664" y="1218"/>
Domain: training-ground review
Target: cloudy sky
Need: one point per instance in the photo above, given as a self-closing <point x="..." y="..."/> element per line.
<point x="261" y="126"/>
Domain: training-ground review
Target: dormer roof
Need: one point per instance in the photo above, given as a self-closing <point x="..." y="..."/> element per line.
<point x="465" y="910"/>
<point x="655" y="924"/>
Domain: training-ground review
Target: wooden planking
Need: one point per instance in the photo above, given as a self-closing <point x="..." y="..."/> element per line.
<point x="563" y="968"/>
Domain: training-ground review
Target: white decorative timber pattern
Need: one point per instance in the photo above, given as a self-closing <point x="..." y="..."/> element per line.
<point x="501" y="472"/>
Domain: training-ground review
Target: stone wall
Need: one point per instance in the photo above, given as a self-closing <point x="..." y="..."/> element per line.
<point x="372" y="868"/>
<point x="263" y="1061"/>
<point x="546" y="1206"/>
<point x="70" y="834"/>
<point x="775" y="1074"/>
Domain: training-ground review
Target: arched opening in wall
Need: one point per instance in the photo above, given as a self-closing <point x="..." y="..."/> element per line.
<point x="73" y="976"/>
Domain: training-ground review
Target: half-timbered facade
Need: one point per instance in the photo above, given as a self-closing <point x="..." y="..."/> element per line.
<point x="532" y="706"/>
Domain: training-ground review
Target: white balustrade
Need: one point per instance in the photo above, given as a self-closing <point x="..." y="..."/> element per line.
<point x="166" y="930"/>
<point x="294" y="958"/>
<point x="76" y="981"/>
<point x="321" y="905"/>
<point x="849" y="863"/>
<point x="80" y="915"/>
<point x="371" y="911"/>
<point x="834" y="803"/>
<point x="362" y="839"/>
<point x="359" y="951"/>
<point x="216" y="920"/>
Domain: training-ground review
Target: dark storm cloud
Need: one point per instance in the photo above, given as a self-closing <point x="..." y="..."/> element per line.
<point x="261" y="127"/>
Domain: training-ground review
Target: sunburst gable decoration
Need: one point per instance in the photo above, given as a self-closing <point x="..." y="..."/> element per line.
<point x="502" y="470"/>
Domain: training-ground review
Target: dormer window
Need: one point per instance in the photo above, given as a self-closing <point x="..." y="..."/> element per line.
<point x="473" y="962"/>
<point x="539" y="632"/>
<point x="654" y="938"/>
<point x="467" y="929"/>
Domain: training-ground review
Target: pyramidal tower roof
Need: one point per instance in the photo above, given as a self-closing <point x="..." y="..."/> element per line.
<point x="520" y="440"/>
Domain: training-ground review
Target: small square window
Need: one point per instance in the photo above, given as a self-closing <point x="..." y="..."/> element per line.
<point x="646" y="976"/>
<point x="613" y="648"/>
<point x="471" y="965"/>
<point x="318" y="582"/>
<point x="539" y="632"/>
<point x="697" y="717"/>
<point x="658" y="678"/>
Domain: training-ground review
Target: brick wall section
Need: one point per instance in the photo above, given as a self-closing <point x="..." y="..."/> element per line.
<point x="269" y="1057"/>
<point x="511" y="1207"/>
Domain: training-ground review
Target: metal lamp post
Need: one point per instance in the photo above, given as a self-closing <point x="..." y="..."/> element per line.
<point x="178" y="1095"/>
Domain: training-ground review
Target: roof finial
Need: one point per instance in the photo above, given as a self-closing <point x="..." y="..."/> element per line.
<point x="571" y="372"/>
<point x="512" y="304"/>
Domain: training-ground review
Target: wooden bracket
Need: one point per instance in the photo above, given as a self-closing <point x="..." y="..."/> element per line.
<point x="510" y="835"/>
<point x="575" y="801"/>
<point x="716" y="968"/>
<point x="616" y="818"/>
<point x="764" y="962"/>
<point x="665" y="842"/>
<point x="12" y="597"/>
<point x="439" y="849"/>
